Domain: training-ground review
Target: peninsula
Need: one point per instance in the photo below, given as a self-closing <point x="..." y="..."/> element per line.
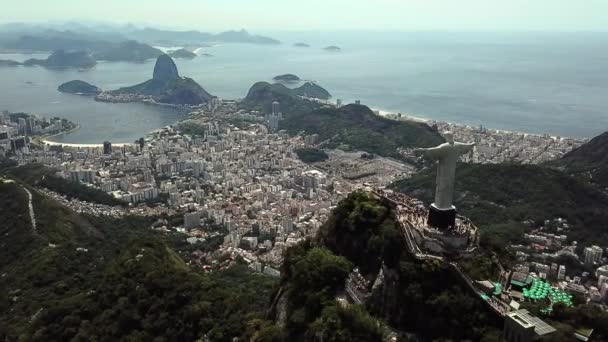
<point x="166" y="87"/>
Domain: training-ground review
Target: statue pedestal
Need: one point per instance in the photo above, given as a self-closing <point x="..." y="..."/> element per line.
<point x="441" y="218"/>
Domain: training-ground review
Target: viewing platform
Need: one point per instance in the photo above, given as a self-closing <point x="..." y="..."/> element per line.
<point x="413" y="216"/>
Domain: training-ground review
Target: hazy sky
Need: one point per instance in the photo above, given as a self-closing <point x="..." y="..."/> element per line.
<point x="564" y="15"/>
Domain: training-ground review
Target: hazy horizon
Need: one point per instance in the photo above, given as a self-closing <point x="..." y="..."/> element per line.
<point x="335" y="15"/>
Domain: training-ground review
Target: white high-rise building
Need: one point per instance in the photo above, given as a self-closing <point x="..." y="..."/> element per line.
<point x="593" y="255"/>
<point x="561" y="272"/>
<point x="276" y="108"/>
<point x="604" y="291"/>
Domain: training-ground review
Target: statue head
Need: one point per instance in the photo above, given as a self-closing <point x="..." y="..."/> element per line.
<point x="449" y="136"/>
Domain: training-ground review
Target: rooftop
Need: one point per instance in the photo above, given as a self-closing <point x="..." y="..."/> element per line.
<point x="525" y="319"/>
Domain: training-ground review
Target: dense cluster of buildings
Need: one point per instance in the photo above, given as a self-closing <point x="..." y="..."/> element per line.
<point x="545" y="254"/>
<point x="496" y="146"/>
<point x="17" y="128"/>
<point x="247" y="182"/>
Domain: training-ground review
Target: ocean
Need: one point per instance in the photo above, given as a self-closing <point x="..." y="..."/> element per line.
<point x="555" y="83"/>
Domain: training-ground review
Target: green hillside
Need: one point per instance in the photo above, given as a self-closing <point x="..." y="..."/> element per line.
<point x="359" y="128"/>
<point x="85" y="278"/>
<point x="40" y="175"/>
<point x="350" y="127"/>
<point x="495" y="195"/>
<point x="261" y="95"/>
<point x="589" y="162"/>
<point x="423" y="298"/>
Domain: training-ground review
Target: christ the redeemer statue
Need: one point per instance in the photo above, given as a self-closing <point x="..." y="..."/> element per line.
<point x="442" y="214"/>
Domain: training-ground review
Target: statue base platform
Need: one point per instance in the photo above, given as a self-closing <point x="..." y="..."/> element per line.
<point x="442" y="219"/>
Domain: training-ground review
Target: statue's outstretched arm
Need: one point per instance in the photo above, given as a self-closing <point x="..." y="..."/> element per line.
<point x="431" y="153"/>
<point x="464" y="148"/>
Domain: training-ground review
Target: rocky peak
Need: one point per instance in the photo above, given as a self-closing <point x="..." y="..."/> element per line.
<point x="165" y="69"/>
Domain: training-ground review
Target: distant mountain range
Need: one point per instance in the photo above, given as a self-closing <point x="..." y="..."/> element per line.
<point x="61" y="59"/>
<point x="31" y="38"/>
<point x="161" y="37"/>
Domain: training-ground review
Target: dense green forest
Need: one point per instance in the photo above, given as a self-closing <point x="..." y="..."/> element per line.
<point x="261" y="95"/>
<point x="84" y="278"/>
<point x="352" y="126"/>
<point x="588" y="162"/>
<point x="365" y="231"/>
<point x="499" y="197"/>
<point x="357" y="127"/>
<point x="311" y="154"/>
<point x="312" y="277"/>
<point x="424" y="298"/>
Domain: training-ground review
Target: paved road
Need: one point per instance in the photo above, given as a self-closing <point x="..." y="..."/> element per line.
<point x="31" y="210"/>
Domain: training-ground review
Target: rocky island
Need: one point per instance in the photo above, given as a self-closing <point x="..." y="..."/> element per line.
<point x="8" y="63"/>
<point x="61" y="59"/>
<point x="182" y="53"/>
<point x="128" y="51"/>
<point x="286" y="78"/>
<point x="79" y="88"/>
<point x="332" y="48"/>
<point x="302" y="45"/>
<point x="165" y="87"/>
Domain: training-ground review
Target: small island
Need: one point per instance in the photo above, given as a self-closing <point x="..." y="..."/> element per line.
<point x="61" y="59"/>
<point x="79" y="88"/>
<point x="332" y="48"/>
<point x="182" y="53"/>
<point x="8" y="63"/>
<point x="301" y="45"/>
<point x="286" y="78"/>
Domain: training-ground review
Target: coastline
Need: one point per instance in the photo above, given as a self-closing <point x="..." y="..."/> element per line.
<point x="405" y="117"/>
<point x="48" y="140"/>
<point x="45" y="140"/>
<point x="74" y="129"/>
<point x="54" y="143"/>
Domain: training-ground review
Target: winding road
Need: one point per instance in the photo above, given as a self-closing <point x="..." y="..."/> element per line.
<point x="30" y="206"/>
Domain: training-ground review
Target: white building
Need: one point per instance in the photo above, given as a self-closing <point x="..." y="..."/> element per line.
<point x="593" y="255"/>
<point x="561" y="273"/>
